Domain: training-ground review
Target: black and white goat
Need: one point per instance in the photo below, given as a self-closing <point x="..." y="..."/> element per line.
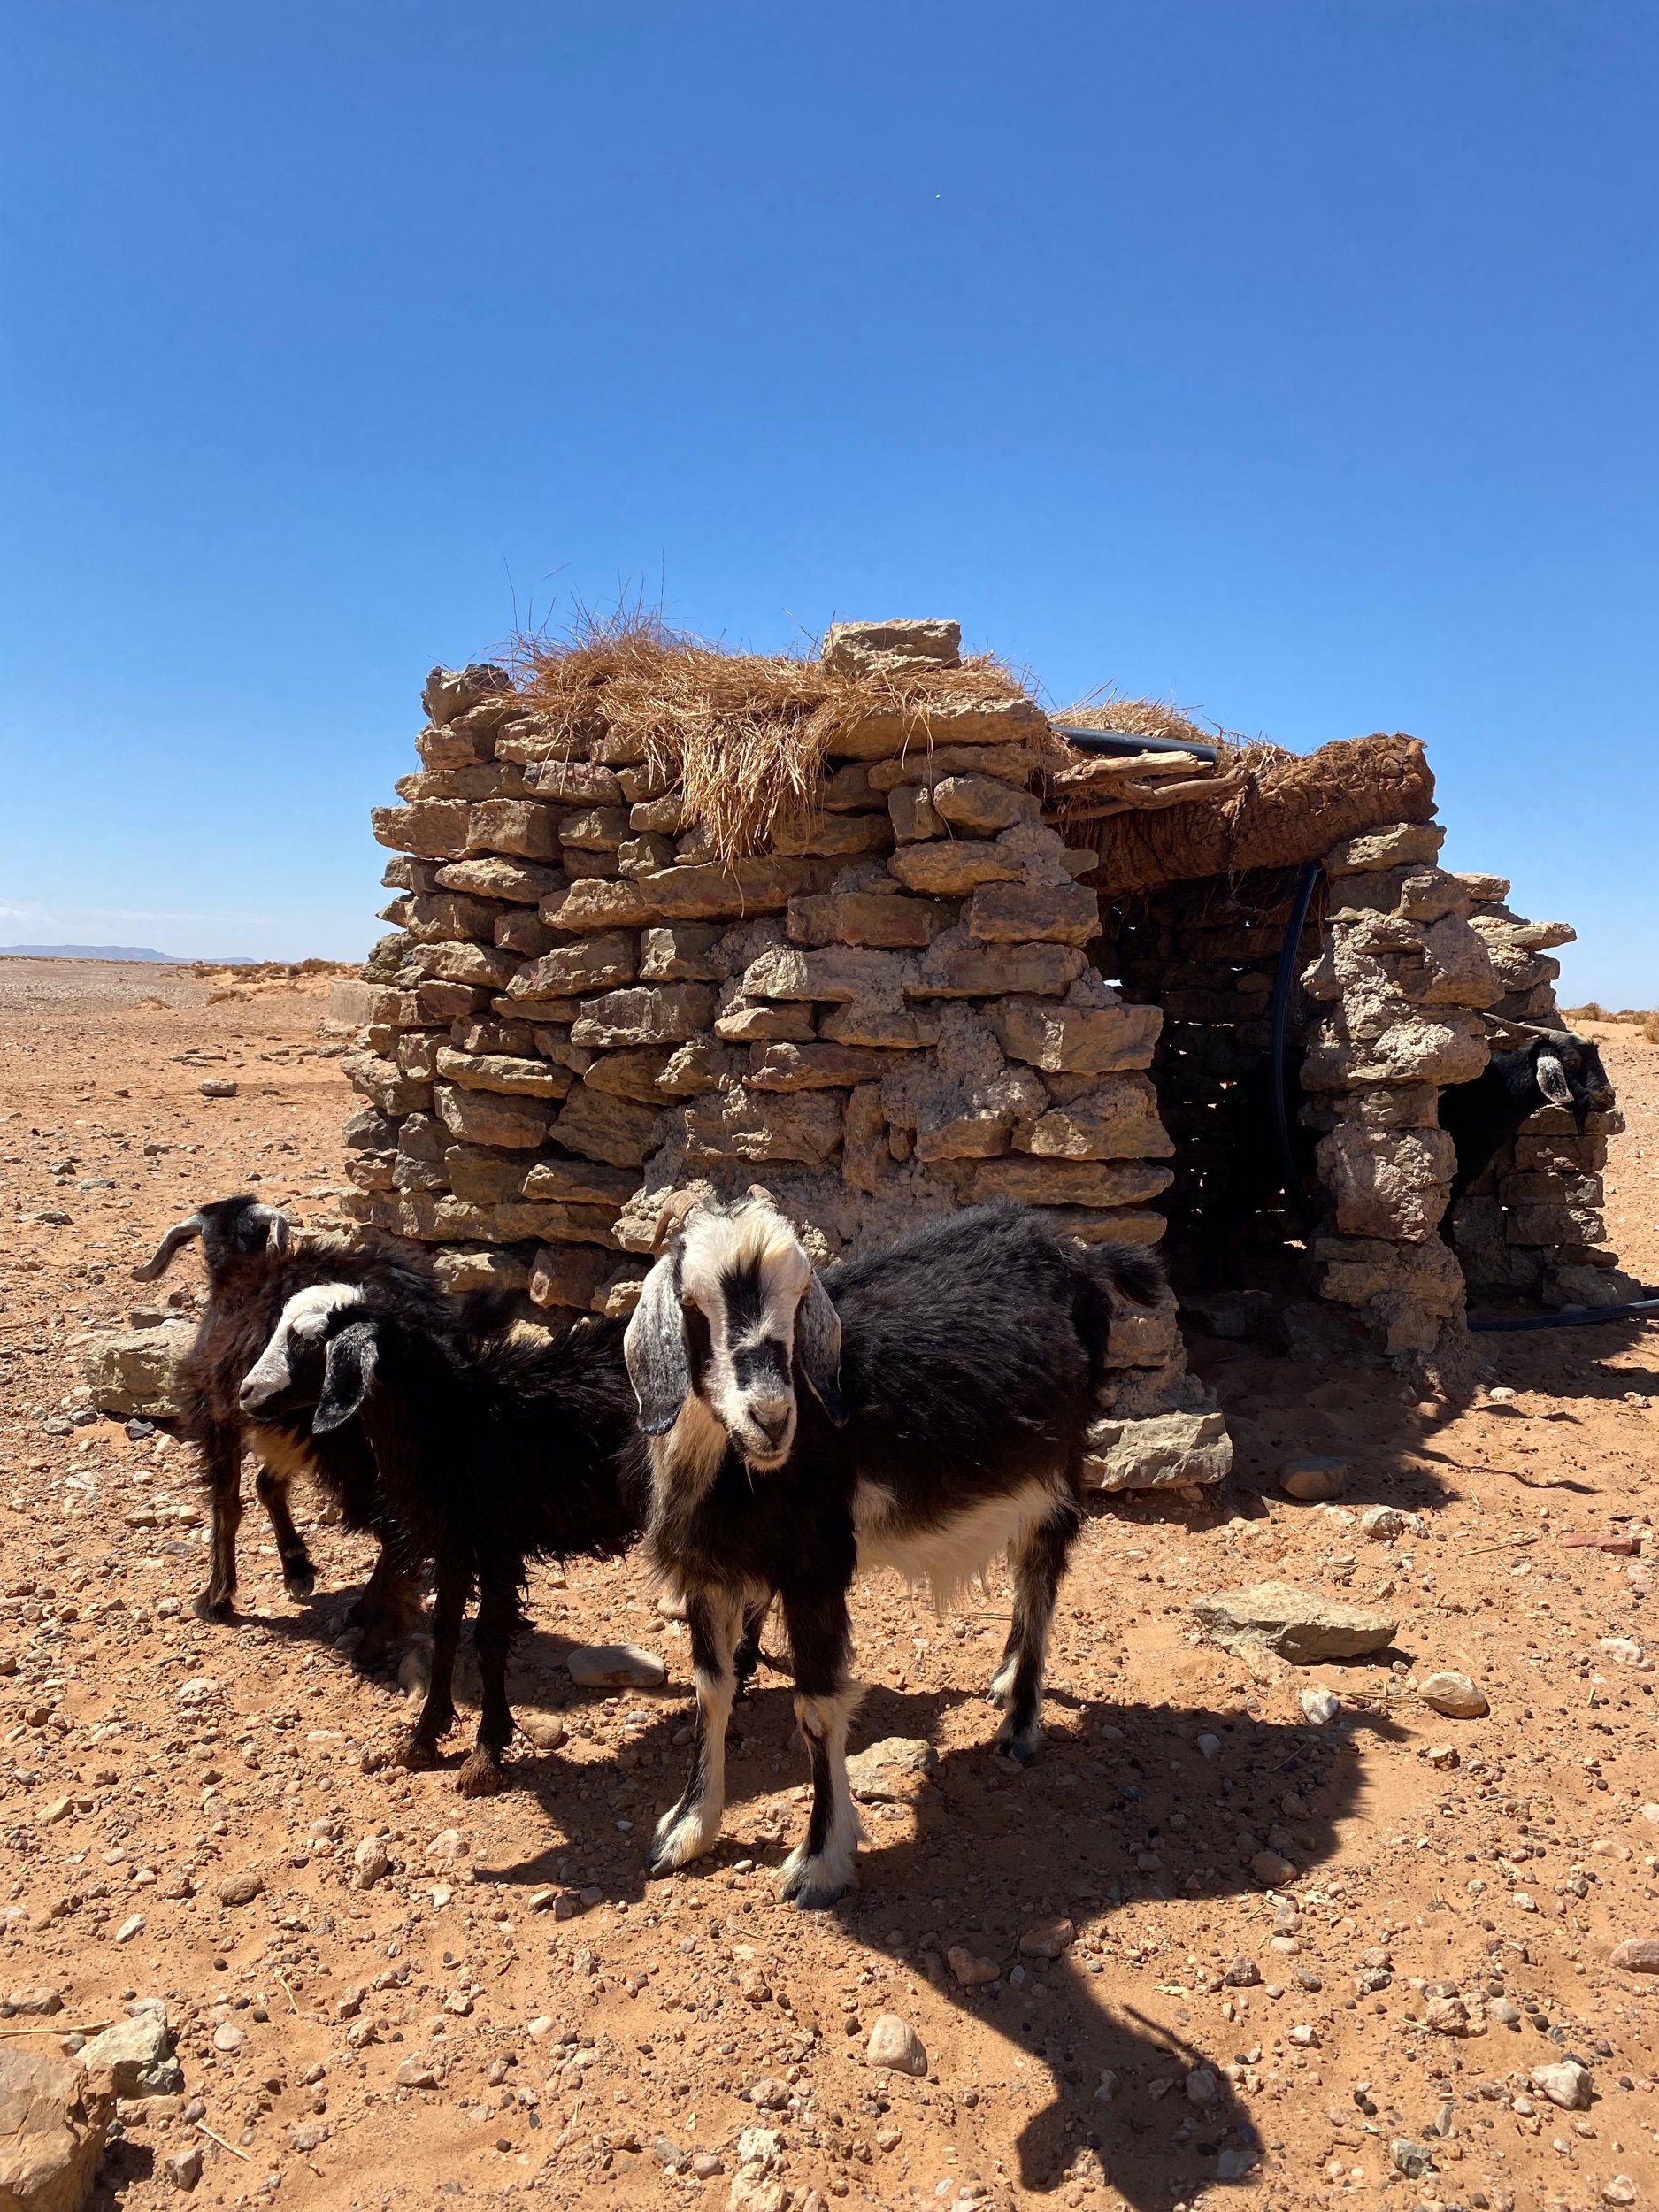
<point x="491" y="1446"/>
<point x="256" y="1267"/>
<point x="1556" y="1067"/>
<point x="950" y="1381"/>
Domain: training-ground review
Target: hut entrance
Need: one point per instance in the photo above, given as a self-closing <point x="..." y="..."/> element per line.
<point x="1207" y="953"/>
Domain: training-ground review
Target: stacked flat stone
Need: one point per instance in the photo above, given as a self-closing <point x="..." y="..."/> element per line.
<point x="1400" y="987"/>
<point x="1534" y="1223"/>
<point x="1414" y="956"/>
<point x="889" y="1013"/>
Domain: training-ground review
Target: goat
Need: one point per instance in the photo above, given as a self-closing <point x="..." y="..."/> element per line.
<point x="1556" y="1068"/>
<point x="950" y="1381"/>
<point x="491" y="1448"/>
<point x="256" y="1266"/>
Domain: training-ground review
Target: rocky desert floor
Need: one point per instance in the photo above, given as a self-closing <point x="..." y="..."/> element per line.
<point x="1121" y="1998"/>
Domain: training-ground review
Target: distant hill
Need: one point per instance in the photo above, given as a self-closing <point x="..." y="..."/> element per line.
<point x="114" y="952"/>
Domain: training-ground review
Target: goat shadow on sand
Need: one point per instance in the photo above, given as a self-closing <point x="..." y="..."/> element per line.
<point x="1141" y="1814"/>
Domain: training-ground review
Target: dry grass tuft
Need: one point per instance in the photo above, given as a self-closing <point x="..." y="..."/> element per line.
<point x="1155" y="718"/>
<point x="744" y="734"/>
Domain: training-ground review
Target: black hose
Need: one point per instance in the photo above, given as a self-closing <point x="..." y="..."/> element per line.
<point x="1126" y="741"/>
<point x="1278" y="1022"/>
<point x="1582" y="1318"/>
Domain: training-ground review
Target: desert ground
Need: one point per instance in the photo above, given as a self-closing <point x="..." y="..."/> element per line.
<point x="1153" y="2012"/>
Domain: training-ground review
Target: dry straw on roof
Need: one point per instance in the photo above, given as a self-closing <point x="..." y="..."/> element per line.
<point x="1144" y="717"/>
<point x="1288" y="808"/>
<point x="744" y="734"/>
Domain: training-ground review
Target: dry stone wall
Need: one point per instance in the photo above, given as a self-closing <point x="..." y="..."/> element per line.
<point x="1413" y="957"/>
<point x="890" y="1012"/>
<point x="1399" y="961"/>
<point x="1532" y="1224"/>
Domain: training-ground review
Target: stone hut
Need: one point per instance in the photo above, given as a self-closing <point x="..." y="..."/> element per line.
<point x="874" y="932"/>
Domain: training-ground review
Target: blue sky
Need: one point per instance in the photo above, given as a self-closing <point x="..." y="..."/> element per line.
<point x="1293" y="362"/>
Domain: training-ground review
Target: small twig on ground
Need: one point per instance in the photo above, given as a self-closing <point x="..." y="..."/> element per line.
<point x="58" y="2027"/>
<point x="1510" y="1543"/>
<point x="1542" y="1482"/>
<point x="289" y="1993"/>
<point x="214" y="2136"/>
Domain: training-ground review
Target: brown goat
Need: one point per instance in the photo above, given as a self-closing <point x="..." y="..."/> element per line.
<point x="255" y="1265"/>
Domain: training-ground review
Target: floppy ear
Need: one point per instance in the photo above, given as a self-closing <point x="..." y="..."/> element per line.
<point x="1552" y="1079"/>
<point x="180" y="1232"/>
<point x="347" y="1375"/>
<point x="654" y="1346"/>
<point x="818" y="1346"/>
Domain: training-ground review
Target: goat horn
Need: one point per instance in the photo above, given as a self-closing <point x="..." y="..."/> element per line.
<point x="677" y="1208"/>
<point x="180" y="1232"/>
<point x="1529" y="1029"/>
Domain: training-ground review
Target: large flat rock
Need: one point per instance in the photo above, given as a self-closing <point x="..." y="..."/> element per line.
<point x="1296" y="1624"/>
<point x="52" y="2126"/>
<point x="1163" y="1451"/>
<point x="137" y="1371"/>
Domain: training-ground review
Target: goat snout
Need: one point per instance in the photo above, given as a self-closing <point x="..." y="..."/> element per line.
<point x="773" y="1418"/>
<point x="764" y="1432"/>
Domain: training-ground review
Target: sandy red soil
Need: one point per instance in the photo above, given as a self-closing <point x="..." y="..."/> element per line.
<point x="585" y="2057"/>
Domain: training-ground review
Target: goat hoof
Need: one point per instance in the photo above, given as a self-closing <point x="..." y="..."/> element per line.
<point x="418" y="1753"/>
<point x="1020" y="1749"/>
<point x="812" y="1888"/>
<point x="481" y="1775"/>
<point x="816" y="1897"/>
<point x="679" y="1839"/>
<point x="209" y="1607"/>
<point x="300" y="1580"/>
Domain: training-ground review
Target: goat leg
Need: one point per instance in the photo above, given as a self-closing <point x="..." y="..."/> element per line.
<point x="299" y="1577"/>
<point x="1017" y="1685"/>
<point x="749" y="1653"/>
<point x="500" y="1619"/>
<point x="715" y="1618"/>
<point x="437" y="1715"/>
<point x="819" y="1870"/>
<point x="221" y="1472"/>
<point x="387" y="1612"/>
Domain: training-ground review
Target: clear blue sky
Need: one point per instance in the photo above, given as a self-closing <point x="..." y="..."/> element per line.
<point x="1296" y="363"/>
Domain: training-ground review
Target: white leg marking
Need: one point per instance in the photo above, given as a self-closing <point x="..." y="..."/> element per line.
<point x="817" y="1878"/>
<point x="685" y="1831"/>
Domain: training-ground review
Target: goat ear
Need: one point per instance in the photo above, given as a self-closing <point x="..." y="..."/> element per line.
<point x="159" y="1261"/>
<point x="654" y="1346"/>
<point x="349" y="1371"/>
<point x="818" y="1346"/>
<point x="1552" y="1079"/>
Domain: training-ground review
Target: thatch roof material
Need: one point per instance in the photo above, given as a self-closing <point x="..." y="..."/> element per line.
<point x="744" y="734"/>
<point x="747" y="737"/>
<point x="1284" y="809"/>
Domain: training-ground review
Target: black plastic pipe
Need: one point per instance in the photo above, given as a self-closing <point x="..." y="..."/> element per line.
<point x="1585" y="1317"/>
<point x="1126" y="741"/>
<point x="1278" y="1024"/>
